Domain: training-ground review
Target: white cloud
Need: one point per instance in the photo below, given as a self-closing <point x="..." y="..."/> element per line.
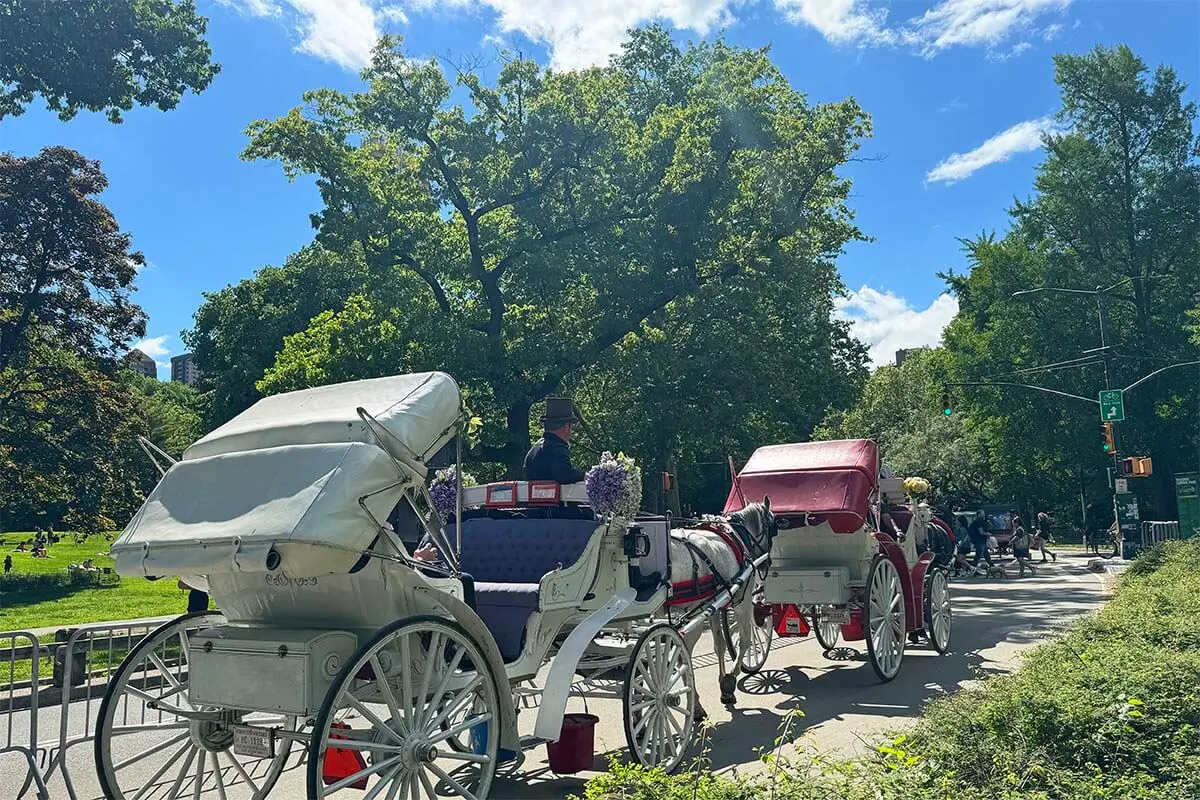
<point x="975" y="22"/>
<point x="840" y="21"/>
<point x="886" y="322"/>
<point x="341" y="31"/>
<point x="1020" y="138"/>
<point x="581" y="34"/>
<point x="156" y="348"/>
<point x="1051" y="32"/>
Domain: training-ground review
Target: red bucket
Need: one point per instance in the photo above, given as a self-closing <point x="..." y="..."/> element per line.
<point x="575" y="749"/>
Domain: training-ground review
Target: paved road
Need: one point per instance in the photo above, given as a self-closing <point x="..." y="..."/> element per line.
<point x="832" y="706"/>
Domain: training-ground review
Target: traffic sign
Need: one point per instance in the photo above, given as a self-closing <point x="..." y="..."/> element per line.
<point x="1112" y="405"/>
<point x="1122" y="485"/>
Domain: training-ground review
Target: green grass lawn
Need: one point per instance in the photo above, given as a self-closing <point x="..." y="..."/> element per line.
<point x="130" y="599"/>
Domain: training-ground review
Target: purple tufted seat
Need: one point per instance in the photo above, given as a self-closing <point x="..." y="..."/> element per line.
<point x="508" y="555"/>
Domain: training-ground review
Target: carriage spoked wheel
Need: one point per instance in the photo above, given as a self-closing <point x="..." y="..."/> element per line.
<point x="760" y="631"/>
<point x="884" y="618"/>
<point x="828" y="633"/>
<point x="938" y="611"/>
<point x="382" y="726"/>
<point x="145" y="748"/>
<point x="659" y="699"/>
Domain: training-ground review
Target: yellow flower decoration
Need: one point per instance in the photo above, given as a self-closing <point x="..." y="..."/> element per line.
<point x="915" y="486"/>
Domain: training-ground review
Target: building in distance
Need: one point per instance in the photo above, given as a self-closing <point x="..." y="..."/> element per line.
<point x="184" y="369"/>
<point x="141" y="363"/>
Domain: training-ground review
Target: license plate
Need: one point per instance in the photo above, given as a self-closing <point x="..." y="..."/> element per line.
<point x="839" y="616"/>
<point x="253" y="742"/>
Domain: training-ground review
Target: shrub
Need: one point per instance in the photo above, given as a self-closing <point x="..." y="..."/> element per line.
<point x="1110" y="712"/>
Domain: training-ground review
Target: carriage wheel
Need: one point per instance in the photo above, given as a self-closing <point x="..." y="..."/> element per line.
<point x="938" y="613"/>
<point x="828" y="633"/>
<point x="659" y="699"/>
<point x="760" y="630"/>
<point x="142" y="752"/>
<point x="885" y="618"/>
<point x="732" y="626"/>
<point x="382" y="719"/>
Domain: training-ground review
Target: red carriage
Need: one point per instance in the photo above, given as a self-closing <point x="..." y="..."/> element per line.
<point x="832" y="565"/>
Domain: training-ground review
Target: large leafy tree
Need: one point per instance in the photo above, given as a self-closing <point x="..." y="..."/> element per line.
<point x="64" y="262"/>
<point x="101" y="55"/>
<point x="67" y="417"/>
<point x="1115" y="206"/>
<point x="560" y="212"/>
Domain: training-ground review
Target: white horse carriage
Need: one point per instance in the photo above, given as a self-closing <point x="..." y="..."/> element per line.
<point x="390" y="677"/>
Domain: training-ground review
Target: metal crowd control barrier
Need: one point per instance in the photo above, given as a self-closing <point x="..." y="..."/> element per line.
<point x="83" y="662"/>
<point x="1155" y="532"/>
<point x="19" y="694"/>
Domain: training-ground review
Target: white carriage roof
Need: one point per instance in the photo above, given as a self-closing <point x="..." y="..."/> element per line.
<point x="289" y="475"/>
<point x="417" y="412"/>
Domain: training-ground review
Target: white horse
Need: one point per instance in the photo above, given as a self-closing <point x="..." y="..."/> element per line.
<point x="705" y="559"/>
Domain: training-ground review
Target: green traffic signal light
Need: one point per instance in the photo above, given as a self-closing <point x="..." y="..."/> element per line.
<point x="946" y="409"/>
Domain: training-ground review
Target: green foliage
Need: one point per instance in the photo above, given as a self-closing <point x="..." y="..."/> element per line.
<point x="101" y="55"/>
<point x="1111" y="712"/>
<point x="526" y="232"/>
<point x="900" y="408"/>
<point x="67" y="267"/>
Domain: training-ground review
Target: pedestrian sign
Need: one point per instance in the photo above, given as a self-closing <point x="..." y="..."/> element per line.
<point x="1112" y="405"/>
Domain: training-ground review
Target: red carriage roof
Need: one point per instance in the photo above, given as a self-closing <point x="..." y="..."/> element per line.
<point x="832" y="480"/>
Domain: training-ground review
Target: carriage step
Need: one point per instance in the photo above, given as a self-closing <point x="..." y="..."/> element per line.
<point x="530" y="742"/>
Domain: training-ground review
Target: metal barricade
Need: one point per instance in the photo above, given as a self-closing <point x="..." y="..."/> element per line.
<point x="84" y="658"/>
<point x="1155" y="532"/>
<point x="20" y="658"/>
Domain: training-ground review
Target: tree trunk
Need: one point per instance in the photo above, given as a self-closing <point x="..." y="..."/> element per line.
<point x="518" y="440"/>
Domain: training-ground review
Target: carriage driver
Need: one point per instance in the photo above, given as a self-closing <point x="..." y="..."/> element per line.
<point x="550" y="457"/>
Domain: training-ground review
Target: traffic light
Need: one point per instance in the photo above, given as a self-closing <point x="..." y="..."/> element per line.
<point x="946" y="408"/>
<point x="1106" y="434"/>
<point x="1137" y="466"/>
<point x="1126" y="466"/>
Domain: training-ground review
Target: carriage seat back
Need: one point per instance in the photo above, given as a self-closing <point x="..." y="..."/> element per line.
<point x="517" y="550"/>
<point x="508" y="554"/>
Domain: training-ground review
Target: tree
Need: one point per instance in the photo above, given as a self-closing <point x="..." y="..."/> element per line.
<point x="561" y="211"/>
<point x="68" y="449"/>
<point x="173" y="412"/>
<point x="899" y="408"/>
<point x="239" y="330"/>
<point x="1115" y="206"/>
<point x="64" y="263"/>
<point x="101" y="55"/>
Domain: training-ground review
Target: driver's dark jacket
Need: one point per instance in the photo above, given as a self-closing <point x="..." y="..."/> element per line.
<point x="550" y="460"/>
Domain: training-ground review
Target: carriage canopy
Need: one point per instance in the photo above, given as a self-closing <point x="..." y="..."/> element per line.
<point x="832" y="480"/>
<point x="288" y="474"/>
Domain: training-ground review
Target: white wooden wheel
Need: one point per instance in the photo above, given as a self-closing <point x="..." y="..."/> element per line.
<point x="383" y="719"/>
<point x="885" y="618"/>
<point x="659" y="699"/>
<point x="938" y="612"/>
<point x="732" y="630"/>
<point x="759" y="635"/>
<point x="828" y="633"/>
<point x="142" y="751"/>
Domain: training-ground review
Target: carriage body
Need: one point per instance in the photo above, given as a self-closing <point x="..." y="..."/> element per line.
<point x="324" y="615"/>
<point x="830" y="564"/>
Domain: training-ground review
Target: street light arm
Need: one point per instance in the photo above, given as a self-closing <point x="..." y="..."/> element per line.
<point x="1026" y="386"/>
<point x="1053" y="289"/>
<point x="1140" y="381"/>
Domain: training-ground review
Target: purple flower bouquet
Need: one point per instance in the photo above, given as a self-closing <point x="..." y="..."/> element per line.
<point x="444" y="490"/>
<point x="614" y="486"/>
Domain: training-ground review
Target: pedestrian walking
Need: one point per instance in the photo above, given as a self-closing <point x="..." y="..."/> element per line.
<point x="7" y="563"/>
<point x="1022" y="541"/>
<point x="979" y="539"/>
<point x="1042" y="536"/>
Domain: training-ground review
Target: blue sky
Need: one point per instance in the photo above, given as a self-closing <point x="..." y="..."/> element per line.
<point x="958" y="90"/>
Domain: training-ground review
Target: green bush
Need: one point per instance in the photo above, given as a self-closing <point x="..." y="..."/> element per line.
<point x="47" y="583"/>
<point x="1109" y="712"/>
